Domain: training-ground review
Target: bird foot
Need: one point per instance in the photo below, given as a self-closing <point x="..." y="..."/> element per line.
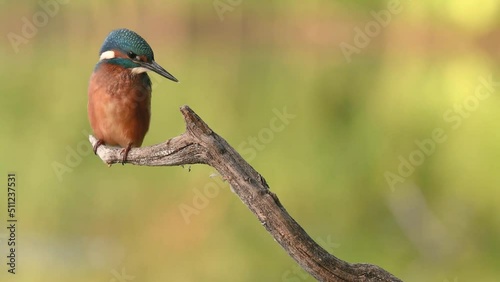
<point x="96" y="145"/>
<point x="125" y="153"/>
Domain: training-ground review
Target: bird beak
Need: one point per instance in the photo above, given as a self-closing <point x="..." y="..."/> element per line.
<point x="154" y="66"/>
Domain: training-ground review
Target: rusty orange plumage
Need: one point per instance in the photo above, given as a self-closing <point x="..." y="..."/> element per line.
<point x="119" y="93"/>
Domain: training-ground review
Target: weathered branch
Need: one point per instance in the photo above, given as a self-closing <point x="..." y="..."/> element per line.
<point x="200" y="145"/>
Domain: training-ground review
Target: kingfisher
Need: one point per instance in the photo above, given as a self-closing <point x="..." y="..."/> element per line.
<point x="119" y="93"/>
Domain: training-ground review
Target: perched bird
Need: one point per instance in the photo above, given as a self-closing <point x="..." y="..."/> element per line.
<point x="119" y="94"/>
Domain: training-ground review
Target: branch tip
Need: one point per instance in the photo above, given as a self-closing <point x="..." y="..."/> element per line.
<point x="194" y="122"/>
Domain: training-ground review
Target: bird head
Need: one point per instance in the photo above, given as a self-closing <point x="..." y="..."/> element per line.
<point x="128" y="49"/>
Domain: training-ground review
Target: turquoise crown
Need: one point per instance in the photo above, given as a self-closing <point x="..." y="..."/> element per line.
<point x="127" y="41"/>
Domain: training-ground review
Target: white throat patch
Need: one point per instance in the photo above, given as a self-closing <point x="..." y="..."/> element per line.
<point x="139" y="70"/>
<point x="107" y="55"/>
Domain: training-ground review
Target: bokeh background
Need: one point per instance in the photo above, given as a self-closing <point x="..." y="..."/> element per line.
<point x="355" y="118"/>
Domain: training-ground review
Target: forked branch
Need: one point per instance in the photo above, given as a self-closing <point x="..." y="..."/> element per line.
<point x="200" y="145"/>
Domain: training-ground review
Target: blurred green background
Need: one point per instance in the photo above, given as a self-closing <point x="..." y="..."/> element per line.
<point x="362" y="114"/>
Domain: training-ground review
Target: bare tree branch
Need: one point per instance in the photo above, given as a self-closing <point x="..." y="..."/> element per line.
<point x="200" y="145"/>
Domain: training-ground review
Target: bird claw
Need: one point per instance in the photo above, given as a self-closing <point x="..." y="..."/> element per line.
<point x="96" y="145"/>
<point x="125" y="153"/>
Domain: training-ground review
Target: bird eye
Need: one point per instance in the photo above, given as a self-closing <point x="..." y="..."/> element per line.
<point x="132" y="55"/>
